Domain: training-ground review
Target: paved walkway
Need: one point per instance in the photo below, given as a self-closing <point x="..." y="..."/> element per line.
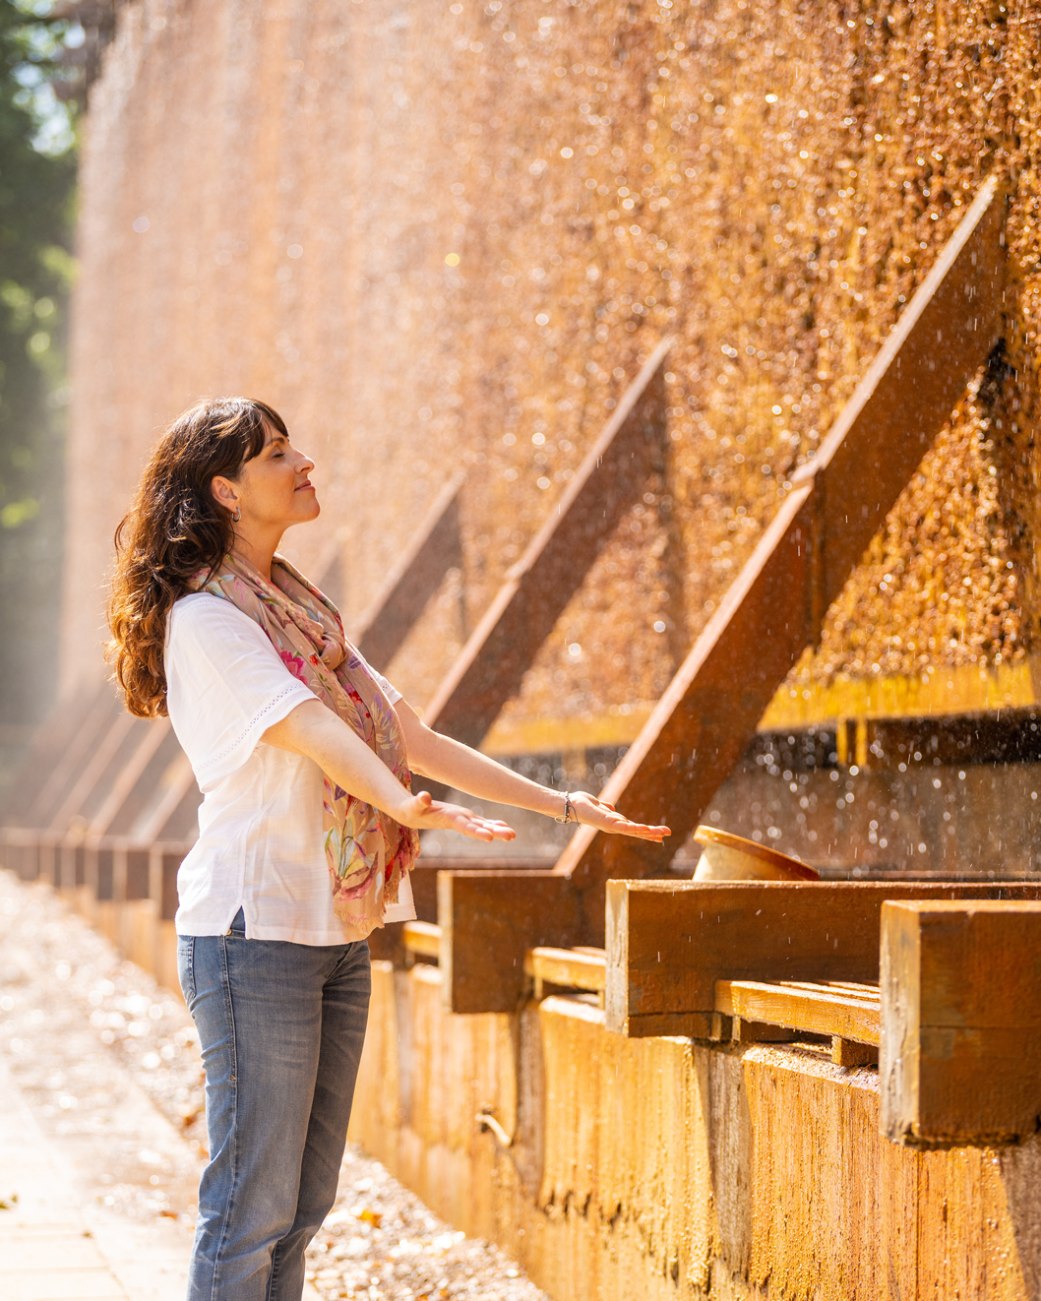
<point x="97" y="1185"/>
<point x="102" y="1143"/>
<point x="56" y="1240"/>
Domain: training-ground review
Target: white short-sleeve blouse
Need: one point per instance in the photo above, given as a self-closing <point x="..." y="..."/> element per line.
<point x="260" y="845"/>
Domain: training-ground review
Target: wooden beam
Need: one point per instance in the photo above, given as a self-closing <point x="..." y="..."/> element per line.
<point x="708" y="714"/>
<point x="550" y="968"/>
<point x="816" y="1009"/>
<point x="961" y="1022"/>
<point x="48" y="775"/>
<point x="161" y="775"/>
<point x="777" y="603"/>
<point x="537" y="589"/>
<point x="73" y="812"/>
<point x="488" y="922"/>
<point x="941" y="340"/>
<point x="128" y="781"/>
<point x="421" y="940"/>
<point x="668" y="944"/>
<point x="434" y="549"/>
<point x="49" y="746"/>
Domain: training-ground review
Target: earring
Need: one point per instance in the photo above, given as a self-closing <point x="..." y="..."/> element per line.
<point x="237" y="515"/>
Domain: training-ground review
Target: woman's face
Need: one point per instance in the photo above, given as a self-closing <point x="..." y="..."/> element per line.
<point x="273" y="489"/>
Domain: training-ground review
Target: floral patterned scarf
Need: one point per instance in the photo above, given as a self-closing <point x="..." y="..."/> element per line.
<point x="367" y="851"/>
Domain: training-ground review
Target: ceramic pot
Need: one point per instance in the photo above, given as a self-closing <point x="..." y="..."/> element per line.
<point x="726" y="857"/>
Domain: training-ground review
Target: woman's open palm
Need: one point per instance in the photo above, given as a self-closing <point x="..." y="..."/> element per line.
<point x="427" y="814"/>
<point x="593" y="812"/>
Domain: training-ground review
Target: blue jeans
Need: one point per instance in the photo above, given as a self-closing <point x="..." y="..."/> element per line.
<point x="282" y="1027"/>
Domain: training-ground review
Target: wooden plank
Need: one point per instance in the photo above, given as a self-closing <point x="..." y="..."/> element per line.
<point x="778" y="601"/>
<point x="816" y="1011"/>
<point x="668" y="944"/>
<point x="424" y="875"/>
<point x="961" y="1022"/>
<point x="861" y="993"/>
<point x="489" y="920"/>
<point x="565" y="968"/>
<point x="422" y="940"/>
<point x="538" y="588"/>
<point x="851" y="1054"/>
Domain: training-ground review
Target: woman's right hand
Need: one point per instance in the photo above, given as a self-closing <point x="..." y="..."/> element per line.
<point x="424" y="813"/>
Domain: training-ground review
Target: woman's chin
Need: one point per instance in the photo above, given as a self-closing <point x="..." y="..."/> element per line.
<point x="304" y="513"/>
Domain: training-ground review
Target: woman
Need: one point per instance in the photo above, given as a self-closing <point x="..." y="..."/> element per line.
<point x="303" y="755"/>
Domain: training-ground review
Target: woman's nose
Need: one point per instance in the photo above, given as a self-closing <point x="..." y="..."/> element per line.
<point x="305" y="461"/>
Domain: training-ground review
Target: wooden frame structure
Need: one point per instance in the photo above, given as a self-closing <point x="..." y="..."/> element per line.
<point x="771" y="612"/>
<point x="695" y="735"/>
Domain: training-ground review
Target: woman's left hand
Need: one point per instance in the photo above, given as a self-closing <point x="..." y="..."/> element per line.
<point x="592" y="812"/>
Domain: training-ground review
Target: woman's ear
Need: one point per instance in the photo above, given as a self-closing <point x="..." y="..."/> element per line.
<point x="225" y="494"/>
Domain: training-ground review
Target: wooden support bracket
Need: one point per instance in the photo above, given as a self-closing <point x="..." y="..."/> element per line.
<point x="503" y="646"/>
<point x="710" y="710"/>
<point x="961" y="1022"/>
<point x="434" y="549"/>
<point x="57" y="753"/>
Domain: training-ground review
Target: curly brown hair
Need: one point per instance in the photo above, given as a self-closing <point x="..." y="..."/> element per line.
<point x="175" y="529"/>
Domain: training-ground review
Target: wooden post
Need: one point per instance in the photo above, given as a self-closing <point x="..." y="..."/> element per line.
<point x="489" y="920"/>
<point x="960" y="1058"/>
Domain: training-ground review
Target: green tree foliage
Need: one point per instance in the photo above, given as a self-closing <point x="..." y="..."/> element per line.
<point x="37" y="177"/>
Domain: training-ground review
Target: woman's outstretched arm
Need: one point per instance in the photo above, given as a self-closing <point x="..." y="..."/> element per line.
<point x="312" y="729"/>
<point x="457" y="765"/>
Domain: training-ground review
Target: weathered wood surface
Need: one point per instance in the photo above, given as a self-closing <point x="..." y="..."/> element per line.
<point x="421" y="940"/>
<point x="549" y="967"/>
<point x="163" y="862"/>
<point x="777" y="603"/>
<point x="667" y="944"/>
<point x="489" y="920"/>
<point x="852" y="1053"/>
<point x="961" y="1022"/>
<point x="815" y="1008"/>
<point x="537" y="589"/>
<point x="631" y="1156"/>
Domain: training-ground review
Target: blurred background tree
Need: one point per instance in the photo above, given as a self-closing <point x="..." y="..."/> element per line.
<point x="39" y="85"/>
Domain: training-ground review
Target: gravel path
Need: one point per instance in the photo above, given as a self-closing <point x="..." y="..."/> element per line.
<point x="69" y="1005"/>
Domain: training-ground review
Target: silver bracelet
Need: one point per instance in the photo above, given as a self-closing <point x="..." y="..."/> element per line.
<point x="569" y="812"/>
